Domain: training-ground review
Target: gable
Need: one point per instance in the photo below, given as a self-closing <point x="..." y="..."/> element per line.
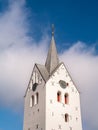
<point x="36" y="77"/>
<point x="61" y="74"/>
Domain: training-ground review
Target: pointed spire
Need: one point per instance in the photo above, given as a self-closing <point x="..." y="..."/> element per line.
<point x="52" y="58"/>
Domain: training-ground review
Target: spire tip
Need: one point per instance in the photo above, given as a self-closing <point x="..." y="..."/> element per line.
<point x="52" y="29"/>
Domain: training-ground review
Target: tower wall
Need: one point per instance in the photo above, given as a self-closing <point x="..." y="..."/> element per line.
<point x="55" y="111"/>
<point x="34" y="117"/>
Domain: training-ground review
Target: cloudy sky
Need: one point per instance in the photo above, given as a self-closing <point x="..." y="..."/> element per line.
<point x="25" y="34"/>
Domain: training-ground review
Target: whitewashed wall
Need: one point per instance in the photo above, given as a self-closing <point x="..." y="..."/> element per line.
<point x="35" y="115"/>
<point x="55" y="111"/>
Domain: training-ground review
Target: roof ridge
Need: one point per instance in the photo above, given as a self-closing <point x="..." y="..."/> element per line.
<point x="52" y="58"/>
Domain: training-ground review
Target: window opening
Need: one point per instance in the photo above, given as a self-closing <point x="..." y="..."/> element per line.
<point x="59" y="96"/>
<point x="66" y="117"/>
<point x="59" y="126"/>
<point x="36" y="99"/>
<point x="66" y="98"/>
<point x="37" y="96"/>
<point x="37" y="126"/>
<point x="70" y="128"/>
<point x="76" y="118"/>
<point x="51" y="101"/>
<point x="32" y="101"/>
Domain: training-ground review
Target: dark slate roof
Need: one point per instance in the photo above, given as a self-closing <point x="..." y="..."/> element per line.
<point x="52" y="58"/>
<point x="52" y="61"/>
<point x="43" y="71"/>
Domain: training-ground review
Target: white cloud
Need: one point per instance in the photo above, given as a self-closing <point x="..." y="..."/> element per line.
<point x="83" y="66"/>
<point x="19" y="52"/>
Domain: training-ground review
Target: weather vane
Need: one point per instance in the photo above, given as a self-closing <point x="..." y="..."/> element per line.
<point x="52" y="29"/>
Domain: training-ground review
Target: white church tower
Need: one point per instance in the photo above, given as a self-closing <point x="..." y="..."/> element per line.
<point x="52" y="101"/>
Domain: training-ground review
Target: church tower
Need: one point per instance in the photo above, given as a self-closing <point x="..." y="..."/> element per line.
<point x="52" y="100"/>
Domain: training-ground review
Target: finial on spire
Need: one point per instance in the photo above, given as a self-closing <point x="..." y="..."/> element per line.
<point x="52" y="29"/>
<point x="52" y="60"/>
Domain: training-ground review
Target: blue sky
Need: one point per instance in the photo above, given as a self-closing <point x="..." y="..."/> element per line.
<point x="74" y="20"/>
<point x="25" y="26"/>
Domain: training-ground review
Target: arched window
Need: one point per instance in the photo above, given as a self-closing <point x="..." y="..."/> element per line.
<point x="66" y="117"/>
<point x="59" y="96"/>
<point x="66" y="98"/>
<point x="32" y="101"/>
<point x="36" y="99"/>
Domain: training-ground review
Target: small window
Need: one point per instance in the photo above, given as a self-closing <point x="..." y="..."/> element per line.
<point x="37" y="96"/>
<point x="70" y="128"/>
<point x="66" y="117"/>
<point x="37" y="126"/>
<point x="36" y="99"/>
<point x="51" y="101"/>
<point x="32" y="101"/>
<point x="52" y="113"/>
<point x="76" y="108"/>
<point x="76" y="118"/>
<point x="59" y="96"/>
<point x="59" y="126"/>
<point x="66" y="98"/>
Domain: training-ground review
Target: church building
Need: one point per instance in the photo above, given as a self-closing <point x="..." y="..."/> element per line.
<point x="52" y="100"/>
